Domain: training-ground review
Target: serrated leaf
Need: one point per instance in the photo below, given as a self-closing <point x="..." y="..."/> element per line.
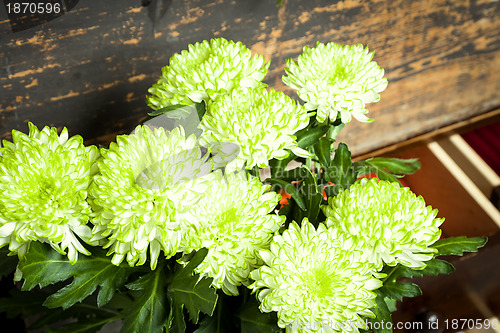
<point x="89" y="325"/>
<point x="150" y="312"/>
<point x="435" y="267"/>
<point x="43" y="266"/>
<point x="7" y="263"/>
<point x="294" y="193"/>
<point x="80" y="312"/>
<point x="29" y="304"/>
<point x="176" y="320"/>
<point x="382" y="315"/>
<point x="290" y="175"/>
<point x="396" y="166"/>
<point x="458" y="245"/>
<point x="313" y="207"/>
<point x="166" y="109"/>
<point x="322" y="149"/>
<point x="308" y="137"/>
<point x="278" y="166"/>
<point x="398" y="290"/>
<point x="221" y="320"/>
<point x="189" y="290"/>
<point x="254" y="321"/>
<point x="340" y="172"/>
<point x="313" y="198"/>
<point x="334" y="130"/>
<point x="365" y="169"/>
<point x="391" y="304"/>
<point x="389" y="169"/>
<point x="22" y="303"/>
<point x="305" y="139"/>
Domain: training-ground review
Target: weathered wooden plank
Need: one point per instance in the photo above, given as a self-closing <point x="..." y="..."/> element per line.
<point x="90" y="69"/>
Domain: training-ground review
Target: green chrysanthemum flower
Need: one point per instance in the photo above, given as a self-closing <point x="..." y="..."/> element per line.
<point x="146" y="179"/>
<point x="233" y="221"/>
<point x="207" y="70"/>
<point x="316" y="280"/>
<point x="44" y="180"/>
<point x="262" y="123"/>
<point x="391" y="224"/>
<point x="336" y="80"/>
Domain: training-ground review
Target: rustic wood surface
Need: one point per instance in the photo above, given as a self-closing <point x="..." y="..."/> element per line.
<point x="89" y="69"/>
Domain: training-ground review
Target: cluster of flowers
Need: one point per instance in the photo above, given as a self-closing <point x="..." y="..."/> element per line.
<point x="157" y="192"/>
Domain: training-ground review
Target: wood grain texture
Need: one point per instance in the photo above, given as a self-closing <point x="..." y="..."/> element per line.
<point x="89" y="70"/>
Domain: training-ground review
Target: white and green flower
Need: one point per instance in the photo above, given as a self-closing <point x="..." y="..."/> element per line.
<point x="316" y="280"/>
<point x="391" y="224"/>
<point x="234" y="221"/>
<point x="44" y="180"/>
<point x="261" y="123"/>
<point x="206" y="71"/>
<point x="336" y="80"/>
<point x="146" y="179"/>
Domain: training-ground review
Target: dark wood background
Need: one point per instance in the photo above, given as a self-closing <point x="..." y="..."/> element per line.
<point x="89" y="69"/>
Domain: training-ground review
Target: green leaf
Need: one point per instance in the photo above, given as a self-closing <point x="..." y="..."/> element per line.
<point x="22" y="303"/>
<point x="294" y="193"/>
<point x="80" y="312"/>
<point x="186" y="289"/>
<point x="308" y="137"/>
<point x="395" y="165"/>
<point x="89" y="325"/>
<point x="322" y="149"/>
<point x="435" y="267"/>
<point x="166" y="109"/>
<point x="201" y="109"/>
<point x="290" y="175"/>
<point x="176" y="320"/>
<point x="458" y="245"/>
<point x="278" y="166"/>
<point x="7" y="263"/>
<point x="254" y="321"/>
<point x="398" y="290"/>
<point x="333" y="131"/>
<point x="43" y="266"/>
<point x="222" y="320"/>
<point x="305" y="139"/>
<point x="389" y="169"/>
<point x="391" y="304"/>
<point x="313" y="198"/>
<point x="150" y="312"/>
<point x="340" y="172"/>
<point x="382" y="315"/>
<point x="29" y="304"/>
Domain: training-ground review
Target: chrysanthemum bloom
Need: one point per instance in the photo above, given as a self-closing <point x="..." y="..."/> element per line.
<point x="233" y="221"/>
<point x="336" y="80"/>
<point x="207" y="70"/>
<point x="316" y="280"/>
<point x="145" y="180"/>
<point x="44" y="180"/>
<point x="391" y="224"/>
<point x="262" y="123"/>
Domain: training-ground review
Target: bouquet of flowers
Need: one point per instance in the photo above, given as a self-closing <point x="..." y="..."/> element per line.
<point x="232" y="208"/>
